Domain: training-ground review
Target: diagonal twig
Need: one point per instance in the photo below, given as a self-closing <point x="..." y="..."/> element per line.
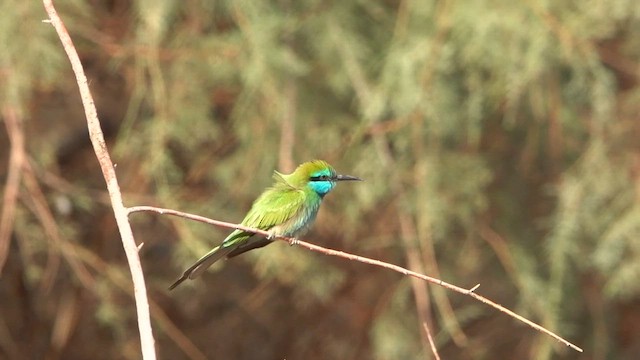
<point x="432" y="343"/>
<point x="292" y="241"/>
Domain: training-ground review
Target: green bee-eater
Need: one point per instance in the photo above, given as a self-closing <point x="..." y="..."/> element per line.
<point x="287" y="208"/>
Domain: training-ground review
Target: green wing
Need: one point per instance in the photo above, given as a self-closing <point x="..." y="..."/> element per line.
<point x="274" y="207"/>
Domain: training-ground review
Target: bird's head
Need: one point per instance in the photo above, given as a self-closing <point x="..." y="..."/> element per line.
<point x="317" y="175"/>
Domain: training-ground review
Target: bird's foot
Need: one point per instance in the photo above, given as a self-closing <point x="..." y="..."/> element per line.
<point x="293" y="241"/>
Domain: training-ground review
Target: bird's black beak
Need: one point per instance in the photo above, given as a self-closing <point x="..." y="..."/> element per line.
<point x="346" y="178"/>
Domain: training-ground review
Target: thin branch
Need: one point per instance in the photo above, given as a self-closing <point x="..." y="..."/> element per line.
<point x="470" y="292"/>
<point x="12" y="186"/>
<point x="106" y="165"/>
<point x="40" y="208"/>
<point x="420" y="288"/>
<point x="118" y="278"/>
<point x="434" y="349"/>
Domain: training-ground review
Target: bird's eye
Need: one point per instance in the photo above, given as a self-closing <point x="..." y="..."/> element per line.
<point x="320" y="178"/>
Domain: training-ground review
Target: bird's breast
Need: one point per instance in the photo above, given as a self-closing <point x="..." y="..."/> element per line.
<point x="300" y="222"/>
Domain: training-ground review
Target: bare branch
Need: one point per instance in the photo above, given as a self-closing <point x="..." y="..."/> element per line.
<point x="434" y="349"/>
<point x="470" y="292"/>
<point x="120" y="212"/>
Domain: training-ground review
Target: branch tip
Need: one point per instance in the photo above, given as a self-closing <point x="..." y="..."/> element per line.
<point x="473" y="289"/>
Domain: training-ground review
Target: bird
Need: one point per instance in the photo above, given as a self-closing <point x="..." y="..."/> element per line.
<point x="287" y="208"/>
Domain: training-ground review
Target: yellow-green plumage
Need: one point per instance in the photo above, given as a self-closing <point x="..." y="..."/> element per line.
<point x="287" y="208"/>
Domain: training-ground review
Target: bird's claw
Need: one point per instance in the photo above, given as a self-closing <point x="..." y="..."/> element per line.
<point x="293" y="241"/>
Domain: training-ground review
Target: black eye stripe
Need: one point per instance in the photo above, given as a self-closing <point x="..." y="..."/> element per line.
<point x="320" y="178"/>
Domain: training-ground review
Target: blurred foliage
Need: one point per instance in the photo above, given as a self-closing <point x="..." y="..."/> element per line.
<point x="498" y="140"/>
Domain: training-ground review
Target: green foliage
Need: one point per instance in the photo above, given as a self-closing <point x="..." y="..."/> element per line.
<point x="29" y="54"/>
<point x="468" y="118"/>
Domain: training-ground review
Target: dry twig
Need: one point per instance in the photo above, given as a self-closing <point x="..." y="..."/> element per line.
<point x="431" y="342"/>
<point x="108" y="171"/>
<point x="292" y="241"/>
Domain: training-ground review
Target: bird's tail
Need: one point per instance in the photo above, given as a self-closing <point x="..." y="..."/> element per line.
<point x="203" y="264"/>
